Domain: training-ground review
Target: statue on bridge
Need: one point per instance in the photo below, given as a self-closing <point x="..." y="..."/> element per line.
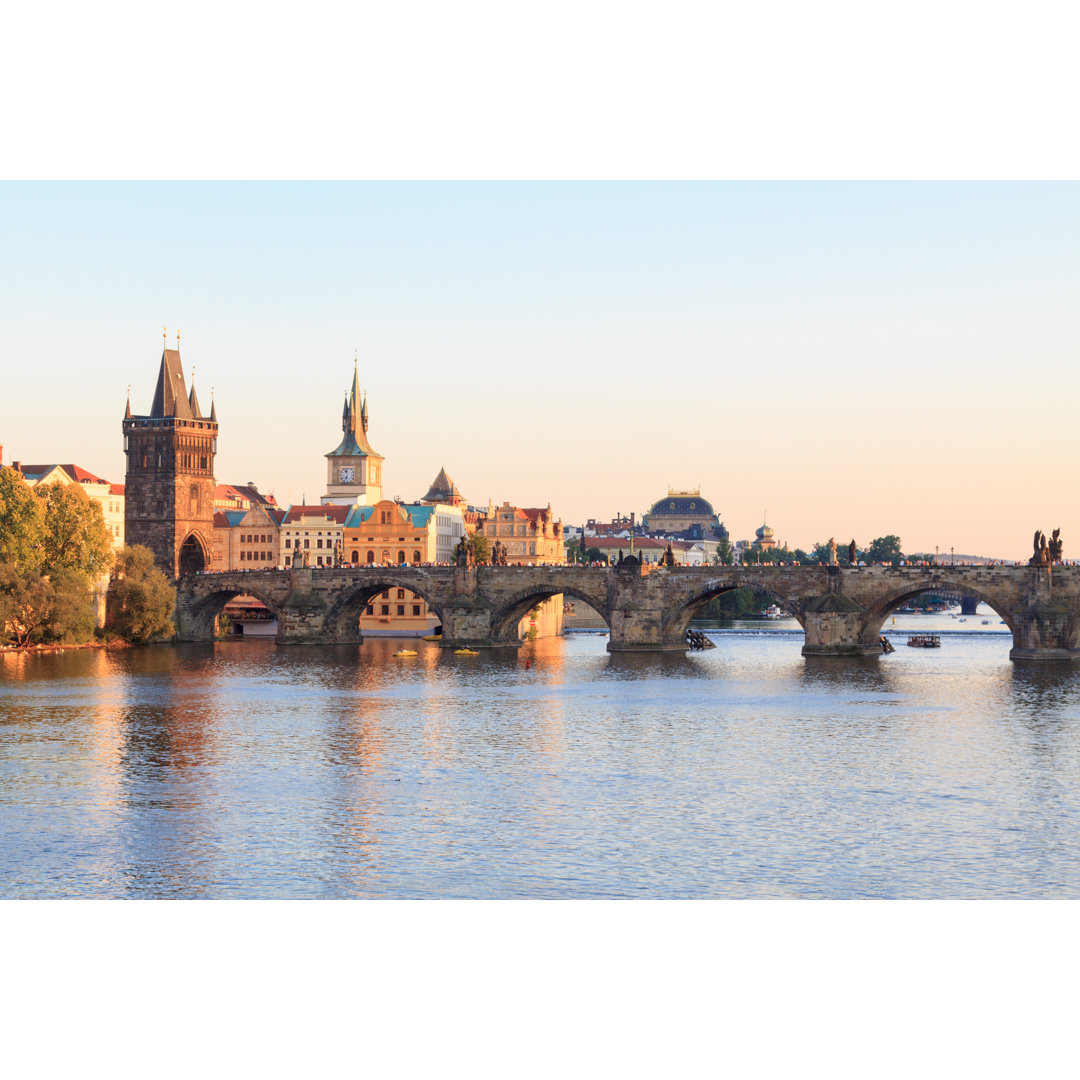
<point x="669" y="556"/>
<point x="853" y="554"/>
<point x="463" y="555"/>
<point x="832" y="550"/>
<point x="1046" y="554"/>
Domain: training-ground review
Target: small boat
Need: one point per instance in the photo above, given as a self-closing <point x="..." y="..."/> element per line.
<point x="432" y="637"/>
<point x="466" y="652"/>
<point x="406" y="652"/>
<point x="986" y="622"/>
<point x="924" y="641"/>
<point x="963" y="620"/>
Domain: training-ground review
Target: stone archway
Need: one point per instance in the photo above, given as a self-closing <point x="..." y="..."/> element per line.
<point x="505" y="620"/>
<point x="193" y="559"/>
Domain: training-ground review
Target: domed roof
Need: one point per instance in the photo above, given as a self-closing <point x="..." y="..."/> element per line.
<point x="764" y="533"/>
<point x="683" y="502"/>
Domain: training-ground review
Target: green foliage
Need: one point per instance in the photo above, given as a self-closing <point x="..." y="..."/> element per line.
<point x="595" y="555"/>
<point x="22" y="522"/>
<point x="725" y="553"/>
<point x="37" y="609"/>
<point x="481" y="547"/>
<point x="885" y="549"/>
<point x="735" y="604"/>
<point x="141" y="600"/>
<point x="75" y="533"/>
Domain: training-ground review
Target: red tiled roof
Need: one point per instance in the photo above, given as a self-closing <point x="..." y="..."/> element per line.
<point x="334" y="513"/>
<point x="116" y="489"/>
<point x="77" y="473"/>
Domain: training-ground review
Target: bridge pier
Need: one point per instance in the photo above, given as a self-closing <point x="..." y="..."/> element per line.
<point x="1041" y="632"/>
<point x="834" y="626"/>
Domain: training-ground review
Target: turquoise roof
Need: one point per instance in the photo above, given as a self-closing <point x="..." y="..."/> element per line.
<point x="357" y="515"/>
<point x="234" y="517"/>
<point x="418" y="515"/>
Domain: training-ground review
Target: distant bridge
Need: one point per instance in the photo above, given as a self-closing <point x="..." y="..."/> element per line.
<point x="841" y="610"/>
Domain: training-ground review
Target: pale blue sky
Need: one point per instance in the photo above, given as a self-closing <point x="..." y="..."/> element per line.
<point x="856" y="358"/>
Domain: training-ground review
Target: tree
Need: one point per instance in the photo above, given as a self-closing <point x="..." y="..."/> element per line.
<point x="75" y="532"/>
<point x="725" y="553"/>
<point x="141" y="600"/>
<point x="26" y="600"/>
<point x="481" y="547"/>
<point x="885" y="549"/>
<point x="22" y="522"/>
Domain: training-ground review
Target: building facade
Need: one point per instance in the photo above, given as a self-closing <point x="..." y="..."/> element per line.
<point x="529" y="534"/>
<point x="680" y="510"/>
<point x="169" y="485"/>
<point x="247" y="539"/>
<point x="312" y="535"/>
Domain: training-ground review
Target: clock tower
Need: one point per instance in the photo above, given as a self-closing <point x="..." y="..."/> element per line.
<point x="353" y="470"/>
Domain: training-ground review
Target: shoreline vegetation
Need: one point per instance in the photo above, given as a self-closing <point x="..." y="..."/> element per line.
<point x="57" y="563"/>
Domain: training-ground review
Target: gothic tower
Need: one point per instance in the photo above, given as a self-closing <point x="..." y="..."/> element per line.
<point x="353" y="470"/>
<point x="169" y="487"/>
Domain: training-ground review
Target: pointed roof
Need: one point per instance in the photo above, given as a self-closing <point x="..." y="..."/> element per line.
<point x="170" y="397"/>
<point x="443" y="490"/>
<point x="193" y="401"/>
<point x="354" y="423"/>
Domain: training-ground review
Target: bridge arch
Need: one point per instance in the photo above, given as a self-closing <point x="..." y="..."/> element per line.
<point x="678" y="617"/>
<point x="513" y="608"/>
<point x="886" y="604"/>
<point x="206" y="605"/>
<point x="342" y="621"/>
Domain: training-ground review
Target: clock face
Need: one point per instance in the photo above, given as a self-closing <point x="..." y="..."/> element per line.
<point x="347" y="474"/>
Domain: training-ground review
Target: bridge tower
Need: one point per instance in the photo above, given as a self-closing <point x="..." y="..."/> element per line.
<point x="169" y="482"/>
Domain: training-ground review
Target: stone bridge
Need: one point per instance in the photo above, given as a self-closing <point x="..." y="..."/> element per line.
<point x="841" y="610"/>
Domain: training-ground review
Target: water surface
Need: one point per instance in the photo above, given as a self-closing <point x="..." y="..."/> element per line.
<point x="244" y="769"/>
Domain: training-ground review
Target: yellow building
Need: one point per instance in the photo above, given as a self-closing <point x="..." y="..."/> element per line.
<point x="246" y="539"/>
<point x="530" y="535"/>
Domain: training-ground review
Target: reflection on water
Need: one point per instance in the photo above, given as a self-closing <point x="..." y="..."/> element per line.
<point x="244" y="769"/>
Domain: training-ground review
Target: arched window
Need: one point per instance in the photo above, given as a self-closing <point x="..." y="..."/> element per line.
<point x="355" y="556"/>
<point x="416" y="557"/>
<point x="401" y="558"/>
<point x="371" y="557"/>
<point x="194" y="499"/>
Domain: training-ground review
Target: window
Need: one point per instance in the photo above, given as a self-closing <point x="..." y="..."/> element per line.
<point x="416" y="609"/>
<point x="401" y="594"/>
<point x="320" y="560"/>
<point x="369" y="610"/>
<point x="386" y="595"/>
<point x="401" y="609"/>
<point x="318" y="543"/>
<point x="401" y="558"/>
<point x="288" y="542"/>
<point x="307" y="542"/>
<point x="416" y="557"/>
<point x="355" y="556"/>
<point x="385" y="609"/>
<point x="371" y="558"/>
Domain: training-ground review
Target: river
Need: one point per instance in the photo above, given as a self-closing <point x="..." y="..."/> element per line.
<point x="248" y="770"/>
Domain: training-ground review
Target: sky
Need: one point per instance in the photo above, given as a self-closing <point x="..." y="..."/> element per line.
<point x="839" y="359"/>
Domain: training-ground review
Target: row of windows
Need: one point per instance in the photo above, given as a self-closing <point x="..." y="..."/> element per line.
<point x="260" y="538"/>
<point x="256" y="556"/>
<point x="384" y="609"/>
